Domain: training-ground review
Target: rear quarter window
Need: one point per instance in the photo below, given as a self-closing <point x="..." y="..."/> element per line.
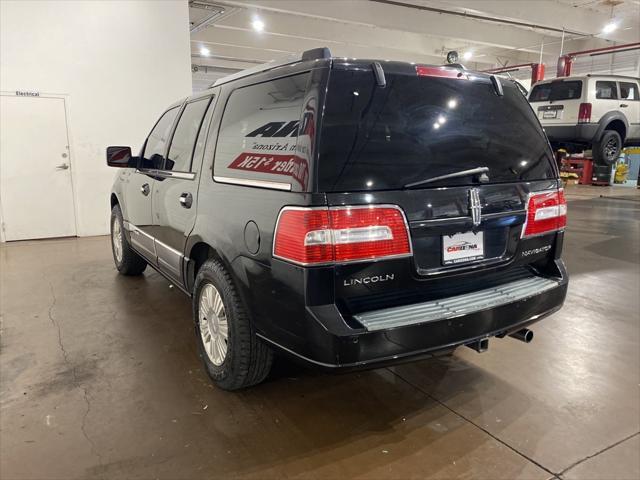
<point x="263" y="134"/>
<point x="629" y="91"/>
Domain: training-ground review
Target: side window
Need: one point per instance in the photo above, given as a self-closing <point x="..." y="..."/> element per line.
<point x="184" y="137"/>
<point x="629" y="91"/>
<point x="606" y="90"/>
<point x="261" y="137"/>
<point x="154" y="148"/>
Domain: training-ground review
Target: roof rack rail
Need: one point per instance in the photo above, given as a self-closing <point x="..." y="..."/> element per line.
<point x="313" y="54"/>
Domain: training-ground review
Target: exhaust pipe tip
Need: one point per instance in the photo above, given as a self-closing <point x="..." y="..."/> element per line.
<point x="525" y="335"/>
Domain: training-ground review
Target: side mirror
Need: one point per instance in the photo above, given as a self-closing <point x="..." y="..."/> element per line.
<point x="121" y="157"/>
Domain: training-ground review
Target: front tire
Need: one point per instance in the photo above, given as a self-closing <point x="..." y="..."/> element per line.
<point x="607" y="150"/>
<point x="127" y="261"/>
<point x="234" y="357"/>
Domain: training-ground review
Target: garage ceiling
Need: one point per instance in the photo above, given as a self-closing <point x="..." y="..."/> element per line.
<point x="224" y="38"/>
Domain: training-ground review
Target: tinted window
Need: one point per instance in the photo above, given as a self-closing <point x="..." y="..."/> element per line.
<point x="258" y="137"/>
<point x="629" y="91"/>
<point x="422" y="127"/>
<point x="562" y="90"/>
<point x="606" y="90"/>
<point x="182" y="144"/>
<point x="155" y="147"/>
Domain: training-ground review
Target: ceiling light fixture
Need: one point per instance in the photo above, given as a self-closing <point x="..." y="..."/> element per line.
<point x="609" y="27"/>
<point x="257" y="24"/>
<point x="467" y="55"/>
<point x="204" y="51"/>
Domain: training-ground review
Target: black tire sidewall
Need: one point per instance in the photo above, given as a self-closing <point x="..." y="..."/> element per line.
<point x="131" y="263"/>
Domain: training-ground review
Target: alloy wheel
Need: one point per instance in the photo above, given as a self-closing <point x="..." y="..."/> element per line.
<point x="611" y="149"/>
<point x="214" y="328"/>
<point x="117" y="240"/>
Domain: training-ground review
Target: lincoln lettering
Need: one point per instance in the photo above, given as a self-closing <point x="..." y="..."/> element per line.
<point x="367" y="280"/>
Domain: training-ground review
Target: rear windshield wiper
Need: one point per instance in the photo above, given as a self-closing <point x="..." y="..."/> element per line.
<point x="482" y="171"/>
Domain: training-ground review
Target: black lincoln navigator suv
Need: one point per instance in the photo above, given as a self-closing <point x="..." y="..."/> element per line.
<point x="349" y="213"/>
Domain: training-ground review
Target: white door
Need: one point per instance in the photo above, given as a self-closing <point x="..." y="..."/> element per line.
<point x="36" y="195"/>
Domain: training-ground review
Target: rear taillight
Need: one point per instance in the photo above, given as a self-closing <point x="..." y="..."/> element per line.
<point x="311" y="236"/>
<point x="546" y="212"/>
<point x="584" y="113"/>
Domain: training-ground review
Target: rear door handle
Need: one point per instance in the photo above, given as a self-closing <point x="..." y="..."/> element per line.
<point x="186" y="200"/>
<point x="624" y="105"/>
<point x="144" y="189"/>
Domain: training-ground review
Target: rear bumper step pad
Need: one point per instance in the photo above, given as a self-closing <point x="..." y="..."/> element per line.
<point x="455" y="306"/>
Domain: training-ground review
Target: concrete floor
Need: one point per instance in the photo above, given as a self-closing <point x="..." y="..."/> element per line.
<point x="100" y="379"/>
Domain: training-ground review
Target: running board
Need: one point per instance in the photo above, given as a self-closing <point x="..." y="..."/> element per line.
<point x="455" y="306"/>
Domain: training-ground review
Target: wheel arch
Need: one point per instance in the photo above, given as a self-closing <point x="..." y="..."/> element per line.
<point x="199" y="251"/>
<point x="613" y="121"/>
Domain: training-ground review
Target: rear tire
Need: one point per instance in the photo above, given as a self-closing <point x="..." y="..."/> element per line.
<point x="234" y="357"/>
<point x="607" y="150"/>
<point x="127" y="261"/>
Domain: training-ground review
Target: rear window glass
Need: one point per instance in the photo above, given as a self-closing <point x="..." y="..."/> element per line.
<point x="258" y="137"/>
<point x="422" y="127"/>
<point x="606" y="90"/>
<point x="563" y="90"/>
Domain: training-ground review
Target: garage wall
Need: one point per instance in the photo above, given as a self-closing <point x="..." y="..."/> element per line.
<point x="119" y="63"/>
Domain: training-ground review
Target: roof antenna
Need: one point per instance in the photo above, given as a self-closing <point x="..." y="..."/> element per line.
<point x="379" y="74"/>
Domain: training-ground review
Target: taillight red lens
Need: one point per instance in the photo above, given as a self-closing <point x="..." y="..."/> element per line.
<point x="342" y="234"/>
<point x="292" y="231"/>
<point x="445" y="72"/>
<point x="546" y="212"/>
<point x="584" y="113"/>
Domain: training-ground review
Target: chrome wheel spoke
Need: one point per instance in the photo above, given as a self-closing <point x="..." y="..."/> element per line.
<point x="221" y="347"/>
<point x="223" y="328"/>
<point x="208" y="298"/>
<point x="214" y="327"/>
<point x="117" y="240"/>
<point x="217" y="304"/>
<point x="204" y="328"/>
<point x="213" y="350"/>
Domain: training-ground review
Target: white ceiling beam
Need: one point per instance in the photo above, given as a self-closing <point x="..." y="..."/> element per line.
<point x="375" y="16"/>
<point x="284" y="33"/>
<point x="553" y="14"/>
